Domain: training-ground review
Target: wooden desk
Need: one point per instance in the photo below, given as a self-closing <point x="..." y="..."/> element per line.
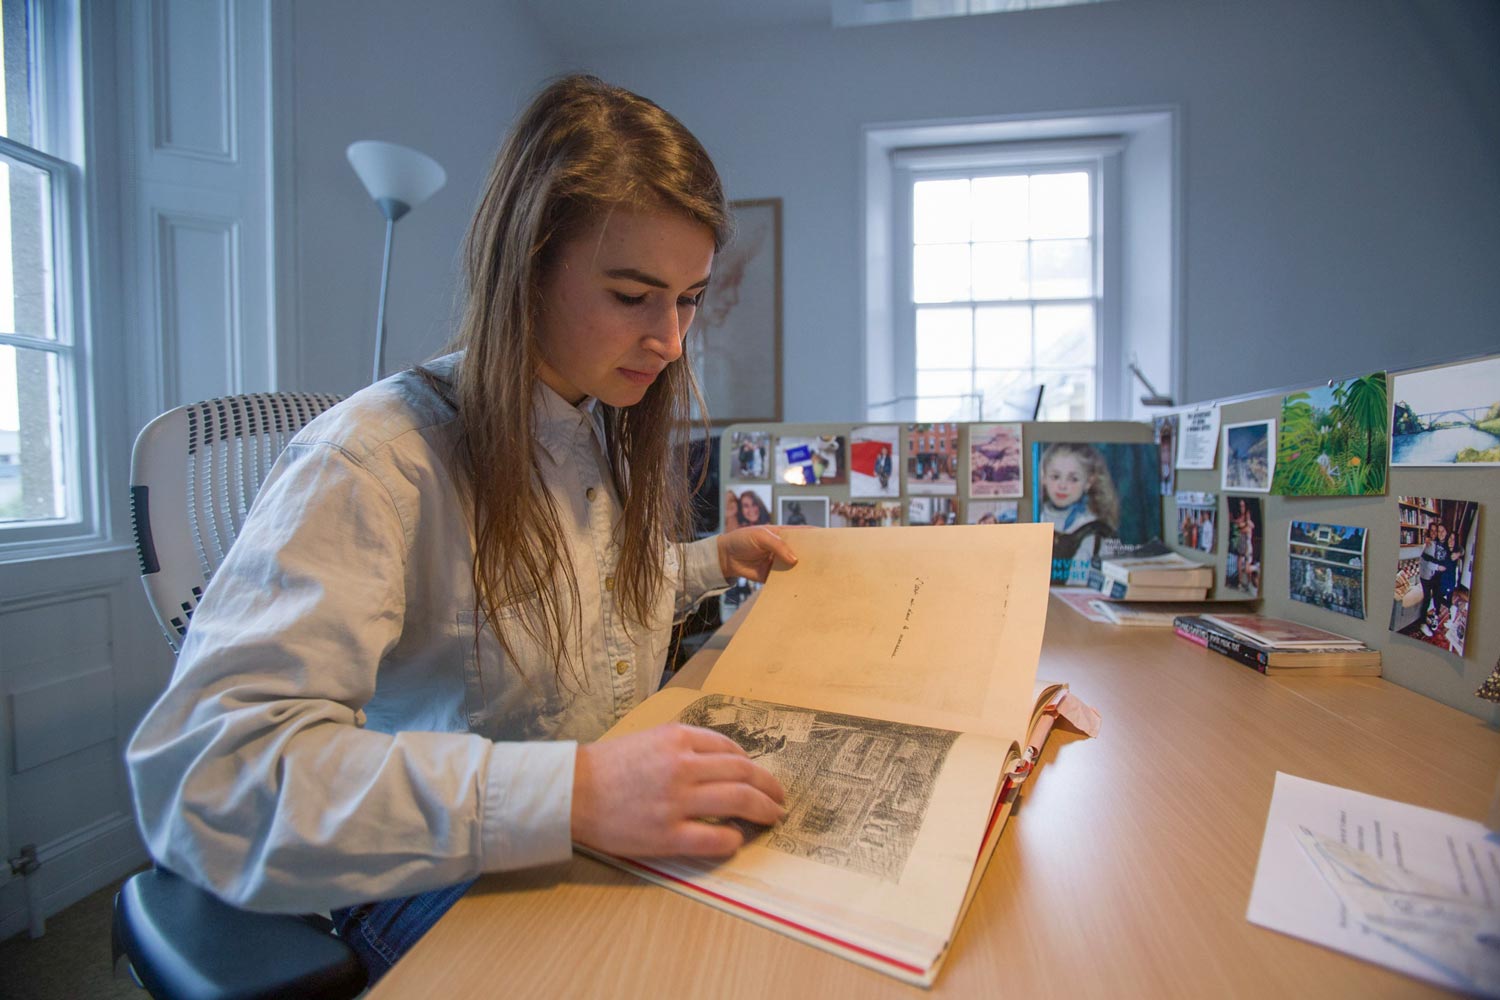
<point x="1126" y="870"/>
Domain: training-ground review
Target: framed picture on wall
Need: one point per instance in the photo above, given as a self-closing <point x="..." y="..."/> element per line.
<point x="735" y="341"/>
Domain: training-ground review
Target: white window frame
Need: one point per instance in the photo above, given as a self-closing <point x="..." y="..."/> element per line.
<point x="1098" y="158"/>
<point x="1141" y="290"/>
<point x="57" y="58"/>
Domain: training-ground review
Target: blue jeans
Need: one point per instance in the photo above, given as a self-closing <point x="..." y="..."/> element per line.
<point x="380" y="933"/>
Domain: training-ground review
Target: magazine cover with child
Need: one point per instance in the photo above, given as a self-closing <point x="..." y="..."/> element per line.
<point x="1097" y="497"/>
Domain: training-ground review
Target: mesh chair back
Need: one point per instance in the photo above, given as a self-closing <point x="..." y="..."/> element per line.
<point x="194" y="472"/>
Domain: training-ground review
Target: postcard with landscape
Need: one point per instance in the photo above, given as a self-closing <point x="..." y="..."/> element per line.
<point x="995" y="460"/>
<point x="1248" y="457"/>
<point x="1448" y="416"/>
<point x="1332" y="440"/>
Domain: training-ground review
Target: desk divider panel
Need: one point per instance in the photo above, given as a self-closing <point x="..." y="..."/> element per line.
<point x="1423" y="668"/>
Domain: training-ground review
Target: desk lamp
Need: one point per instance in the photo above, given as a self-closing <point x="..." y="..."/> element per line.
<point x="399" y="179"/>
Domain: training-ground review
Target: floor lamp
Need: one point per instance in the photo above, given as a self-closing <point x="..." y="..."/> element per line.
<point x="399" y="179"/>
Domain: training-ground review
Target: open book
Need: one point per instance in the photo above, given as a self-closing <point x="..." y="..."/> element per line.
<point x="889" y="682"/>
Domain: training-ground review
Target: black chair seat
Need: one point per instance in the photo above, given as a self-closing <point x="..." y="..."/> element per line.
<point x="186" y="944"/>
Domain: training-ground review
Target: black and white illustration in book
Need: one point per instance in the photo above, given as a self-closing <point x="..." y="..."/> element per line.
<point x="857" y="789"/>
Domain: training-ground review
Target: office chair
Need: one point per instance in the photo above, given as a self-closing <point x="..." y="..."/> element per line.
<point x="193" y="474"/>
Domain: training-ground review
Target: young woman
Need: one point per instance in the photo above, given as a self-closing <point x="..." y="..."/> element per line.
<point x="457" y="579"/>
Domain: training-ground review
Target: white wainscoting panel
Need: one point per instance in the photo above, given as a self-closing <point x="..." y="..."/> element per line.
<point x="192" y="71"/>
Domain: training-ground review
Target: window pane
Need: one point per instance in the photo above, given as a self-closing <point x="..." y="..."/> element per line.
<point x="26" y="278"/>
<point x="1002" y="337"/>
<point x="1064" y="336"/>
<point x="940" y="212"/>
<point x="1005" y="394"/>
<point x="1001" y="209"/>
<point x="1000" y="271"/>
<point x="33" y="476"/>
<point x="1061" y="269"/>
<point x="940" y="273"/>
<point x="944" y="339"/>
<point x="943" y="395"/>
<point x="15" y="43"/>
<point x="1068" y="395"/>
<point x="1060" y="206"/>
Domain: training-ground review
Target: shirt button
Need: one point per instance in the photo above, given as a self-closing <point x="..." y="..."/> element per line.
<point x="609" y="583"/>
<point x="621" y="666"/>
<point x="589" y="494"/>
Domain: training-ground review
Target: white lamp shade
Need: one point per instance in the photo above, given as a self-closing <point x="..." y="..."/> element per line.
<point x="396" y="172"/>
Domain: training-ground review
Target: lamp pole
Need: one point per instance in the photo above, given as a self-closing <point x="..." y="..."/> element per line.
<point x="392" y="209"/>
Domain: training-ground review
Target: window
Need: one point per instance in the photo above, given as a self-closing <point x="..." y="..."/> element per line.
<point x="1005" y="254"/>
<point x="1004" y="291"/>
<point x="41" y="485"/>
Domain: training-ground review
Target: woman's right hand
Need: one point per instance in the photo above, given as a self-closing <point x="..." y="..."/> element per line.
<point x="648" y="794"/>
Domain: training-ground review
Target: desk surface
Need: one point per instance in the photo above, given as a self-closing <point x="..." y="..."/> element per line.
<point x="1125" y="870"/>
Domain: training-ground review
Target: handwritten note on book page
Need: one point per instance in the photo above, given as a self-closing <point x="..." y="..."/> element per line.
<point x="913" y="629"/>
<point x="1409" y="888"/>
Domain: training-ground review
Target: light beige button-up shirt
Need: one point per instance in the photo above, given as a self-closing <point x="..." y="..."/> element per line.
<point x="329" y="735"/>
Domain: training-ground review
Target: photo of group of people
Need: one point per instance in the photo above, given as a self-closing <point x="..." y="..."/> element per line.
<point x="1196" y="513"/>
<point x="865" y="514"/>
<point x="1091" y="494"/>
<point x="1327" y="566"/>
<point x="746" y="506"/>
<point x="1435" y="570"/>
<point x="749" y="450"/>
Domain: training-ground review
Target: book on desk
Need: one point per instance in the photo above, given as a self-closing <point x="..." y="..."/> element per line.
<point x="889" y="682"/>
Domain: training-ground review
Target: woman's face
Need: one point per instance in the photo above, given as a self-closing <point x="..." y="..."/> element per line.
<point x="1066" y="480"/>
<point x="1442" y="533"/>
<point x="617" y="302"/>
<point x="749" y="511"/>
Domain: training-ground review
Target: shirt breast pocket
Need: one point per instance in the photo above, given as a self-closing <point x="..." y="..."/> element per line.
<point x="507" y="699"/>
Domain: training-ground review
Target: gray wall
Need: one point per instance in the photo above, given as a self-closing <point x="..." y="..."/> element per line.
<point x="1341" y="164"/>
<point x="445" y="78"/>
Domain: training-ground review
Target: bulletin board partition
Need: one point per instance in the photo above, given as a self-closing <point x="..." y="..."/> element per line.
<point x="748" y="458"/>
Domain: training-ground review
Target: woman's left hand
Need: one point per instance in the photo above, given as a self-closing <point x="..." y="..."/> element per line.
<point x="752" y="552"/>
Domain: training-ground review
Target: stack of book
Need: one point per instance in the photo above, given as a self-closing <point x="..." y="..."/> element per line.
<point x="1278" y="646"/>
<point x="1164" y="577"/>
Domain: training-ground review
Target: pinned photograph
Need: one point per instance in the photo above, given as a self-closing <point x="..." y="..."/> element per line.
<point x="1092" y="494"/>
<point x="1198" y="438"/>
<point x="810" y="461"/>
<point x="995" y="460"/>
<point x="932" y="459"/>
<point x="1196" y="513"/>
<point x="1327" y="566"/>
<point x="1447" y="416"/>
<point x="875" y="461"/>
<point x="746" y="506"/>
<point x="865" y="514"/>
<point x="932" y="510"/>
<point x="1249" y="458"/>
<point x="811" y="511"/>
<point x="1435" y="570"/>
<point x="1242" y="553"/>
<point x="994" y="511"/>
<point x="750" y="453"/>
<point x="1332" y="440"/>
<point x="1164" y="429"/>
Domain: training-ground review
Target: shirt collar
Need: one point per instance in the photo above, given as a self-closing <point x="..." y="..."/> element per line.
<point x="557" y="421"/>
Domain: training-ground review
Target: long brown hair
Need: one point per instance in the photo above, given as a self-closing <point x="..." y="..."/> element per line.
<point x="580" y="149"/>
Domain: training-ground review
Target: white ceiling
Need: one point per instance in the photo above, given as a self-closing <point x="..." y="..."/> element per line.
<point x="575" y="25"/>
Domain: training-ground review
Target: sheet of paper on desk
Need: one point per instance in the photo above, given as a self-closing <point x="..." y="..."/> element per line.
<point x="1409" y="888"/>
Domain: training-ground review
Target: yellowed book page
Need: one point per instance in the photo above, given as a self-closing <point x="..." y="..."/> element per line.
<point x="885" y="822"/>
<point x="934" y="626"/>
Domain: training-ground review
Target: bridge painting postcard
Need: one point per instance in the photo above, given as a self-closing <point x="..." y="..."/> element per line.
<point x="1448" y="416"/>
<point x="1332" y="440"/>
